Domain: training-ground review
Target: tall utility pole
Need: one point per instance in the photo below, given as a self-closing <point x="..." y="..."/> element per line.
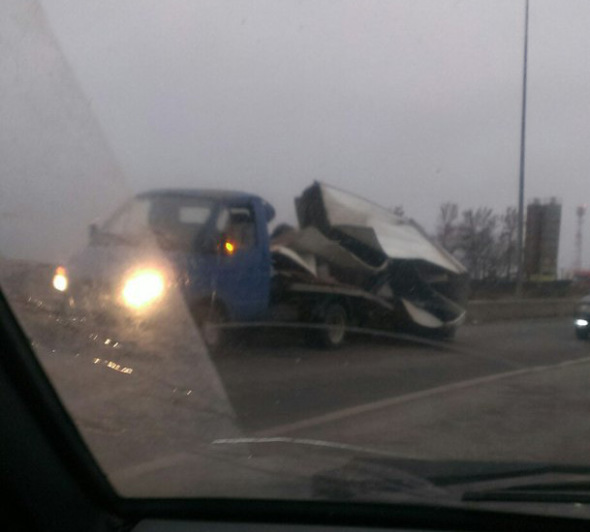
<point x="520" y="234"/>
<point x="580" y="212"/>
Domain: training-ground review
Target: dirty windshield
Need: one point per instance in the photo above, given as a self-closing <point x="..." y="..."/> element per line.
<point x="307" y="250"/>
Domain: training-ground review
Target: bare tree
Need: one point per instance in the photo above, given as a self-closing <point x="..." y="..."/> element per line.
<point x="482" y="240"/>
<point x="446" y="229"/>
<point x="477" y="242"/>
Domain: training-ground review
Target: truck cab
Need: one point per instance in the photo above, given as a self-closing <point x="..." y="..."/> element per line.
<point x="212" y="246"/>
<point x="230" y="267"/>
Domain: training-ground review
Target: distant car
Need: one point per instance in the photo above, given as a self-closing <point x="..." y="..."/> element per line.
<point x="582" y="318"/>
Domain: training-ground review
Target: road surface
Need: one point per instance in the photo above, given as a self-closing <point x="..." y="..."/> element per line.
<point x="140" y="397"/>
<point x="276" y="381"/>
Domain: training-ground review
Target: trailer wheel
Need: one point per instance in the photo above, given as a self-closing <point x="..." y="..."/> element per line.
<point x="332" y="332"/>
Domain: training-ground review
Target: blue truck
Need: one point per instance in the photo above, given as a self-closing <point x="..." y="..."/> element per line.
<point x="214" y="248"/>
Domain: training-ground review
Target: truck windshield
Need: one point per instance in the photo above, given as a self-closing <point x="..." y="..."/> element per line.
<point x="175" y="221"/>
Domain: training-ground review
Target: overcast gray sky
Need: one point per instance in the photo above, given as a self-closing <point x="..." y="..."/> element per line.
<point x="411" y="102"/>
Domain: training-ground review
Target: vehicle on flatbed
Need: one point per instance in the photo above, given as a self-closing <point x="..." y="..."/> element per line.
<point x="216" y="248"/>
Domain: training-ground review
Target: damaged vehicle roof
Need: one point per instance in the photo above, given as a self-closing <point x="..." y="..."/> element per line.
<point x="388" y="234"/>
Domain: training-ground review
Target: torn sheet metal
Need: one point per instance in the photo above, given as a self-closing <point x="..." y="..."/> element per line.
<point x="387" y="255"/>
<point x="420" y="316"/>
<point x="282" y="254"/>
<point x="310" y="241"/>
<point x="392" y="236"/>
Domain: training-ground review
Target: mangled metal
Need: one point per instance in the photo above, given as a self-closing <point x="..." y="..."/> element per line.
<point x="352" y="242"/>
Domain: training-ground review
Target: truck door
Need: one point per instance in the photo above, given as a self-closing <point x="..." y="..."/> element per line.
<point x="243" y="262"/>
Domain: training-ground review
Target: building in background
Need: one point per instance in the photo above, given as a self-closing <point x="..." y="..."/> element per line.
<point x="543" y="224"/>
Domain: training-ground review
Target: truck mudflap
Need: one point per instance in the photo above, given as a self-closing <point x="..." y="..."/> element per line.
<point x="352" y="247"/>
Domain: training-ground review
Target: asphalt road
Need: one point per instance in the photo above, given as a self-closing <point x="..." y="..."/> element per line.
<point x="274" y="380"/>
<point x="139" y="396"/>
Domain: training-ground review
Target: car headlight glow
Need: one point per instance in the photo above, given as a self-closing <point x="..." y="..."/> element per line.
<point x="60" y="279"/>
<point x="581" y="323"/>
<point x="143" y="288"/>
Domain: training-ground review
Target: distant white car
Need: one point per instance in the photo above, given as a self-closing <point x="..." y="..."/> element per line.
<point x="582" y="318"/>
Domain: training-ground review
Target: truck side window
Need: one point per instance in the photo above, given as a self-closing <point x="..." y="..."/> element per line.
<point x="222" y="220"/>
<point x="238" y="225"/>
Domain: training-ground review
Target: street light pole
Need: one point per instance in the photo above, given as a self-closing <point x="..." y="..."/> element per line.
<point x="520" y="235"/>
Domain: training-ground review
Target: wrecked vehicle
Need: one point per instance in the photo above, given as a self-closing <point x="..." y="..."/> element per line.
<point x="350" y="265"/>
<point x="388" y="256"/>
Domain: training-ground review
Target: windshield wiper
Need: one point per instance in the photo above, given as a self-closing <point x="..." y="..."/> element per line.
<point x="367" y="472"/>
<point x="568" y="492"/>
<point x="372" y="473"/>
<point x="572" y="486"/>
<point x="367" y="478"/>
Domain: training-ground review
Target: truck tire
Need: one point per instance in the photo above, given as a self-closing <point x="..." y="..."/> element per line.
<point x="333" y="323"/>
<point x="210" y="323"/>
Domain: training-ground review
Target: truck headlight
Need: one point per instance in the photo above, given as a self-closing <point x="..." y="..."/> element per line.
<point x="143" y="287"/>
<point x="581" y="322"/>
<point x="60" y="279"/>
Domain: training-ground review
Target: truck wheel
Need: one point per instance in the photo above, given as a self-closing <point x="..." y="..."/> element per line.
<point x="333" y="323"/>
<point x="210" y="323"/>
<point x="582" y="334"/>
